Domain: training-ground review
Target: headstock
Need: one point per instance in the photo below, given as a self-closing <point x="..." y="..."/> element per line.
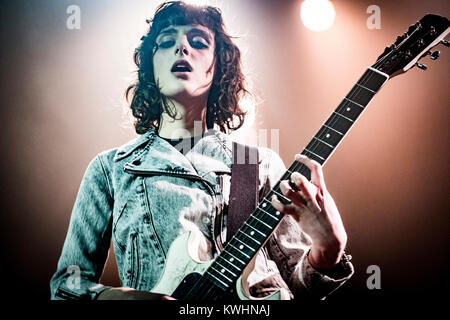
<point x="414" y="45"/>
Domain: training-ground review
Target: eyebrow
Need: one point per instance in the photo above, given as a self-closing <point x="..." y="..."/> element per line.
<point x="172" y="31"/>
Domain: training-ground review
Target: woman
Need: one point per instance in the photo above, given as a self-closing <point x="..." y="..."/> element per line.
<point x="147" y="192"/>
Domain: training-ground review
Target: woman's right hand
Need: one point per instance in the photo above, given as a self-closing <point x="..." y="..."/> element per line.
<point x="124" y="293"/>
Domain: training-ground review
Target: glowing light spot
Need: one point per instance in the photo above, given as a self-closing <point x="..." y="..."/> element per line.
<point x="317" y="15"/>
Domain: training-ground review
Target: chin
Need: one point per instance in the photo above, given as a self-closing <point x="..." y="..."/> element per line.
<point x="183" y="93"/>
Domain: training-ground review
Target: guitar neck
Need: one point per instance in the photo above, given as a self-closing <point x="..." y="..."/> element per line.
<point x="341" y="120"/>
<point x="238" y="252"/>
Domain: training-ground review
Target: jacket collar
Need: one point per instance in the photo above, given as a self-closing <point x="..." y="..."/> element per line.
<point x="212" y="153"/>
<point x="126" y="149"/>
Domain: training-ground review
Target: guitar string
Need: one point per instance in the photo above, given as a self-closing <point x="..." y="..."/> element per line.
<point x="205" y="291"/>
<point x="334" y="118"/>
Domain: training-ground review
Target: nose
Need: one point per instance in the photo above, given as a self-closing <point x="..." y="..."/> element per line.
<point x="182" y="48"/>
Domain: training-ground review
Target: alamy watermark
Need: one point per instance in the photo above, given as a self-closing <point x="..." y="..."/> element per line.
<point x="73" y="282"/>
<point x="374" y="20"/>
<point x="73" y="21"/>
<point x="374" y="280"/>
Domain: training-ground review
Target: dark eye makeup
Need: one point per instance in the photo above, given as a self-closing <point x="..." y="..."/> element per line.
<point x="196" y="38"/>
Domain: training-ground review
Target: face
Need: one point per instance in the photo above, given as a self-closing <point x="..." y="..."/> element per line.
<point x="183" y="62"/>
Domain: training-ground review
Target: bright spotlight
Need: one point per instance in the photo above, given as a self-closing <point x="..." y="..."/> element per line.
<point x="317" y="15"/>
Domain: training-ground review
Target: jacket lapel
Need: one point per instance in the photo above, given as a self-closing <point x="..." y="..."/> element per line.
<point x="210" y="154"/>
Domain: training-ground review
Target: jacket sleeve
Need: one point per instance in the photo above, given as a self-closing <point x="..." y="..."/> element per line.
<point x="288" y="247"/>
<point x="87" y="241"/>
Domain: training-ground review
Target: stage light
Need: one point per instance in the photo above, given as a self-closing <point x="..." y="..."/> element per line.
<point x="317" y="15"/>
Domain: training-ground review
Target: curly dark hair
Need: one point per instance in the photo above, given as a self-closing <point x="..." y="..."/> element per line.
<point x="227" y="88"/>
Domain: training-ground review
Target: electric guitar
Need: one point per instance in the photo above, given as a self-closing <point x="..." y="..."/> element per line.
<point x="186" y="277"/>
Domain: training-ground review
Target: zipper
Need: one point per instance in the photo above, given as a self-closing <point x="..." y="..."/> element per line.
<point x="134" y="260"/>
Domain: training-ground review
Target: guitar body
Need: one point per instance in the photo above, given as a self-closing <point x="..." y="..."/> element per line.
<point x="183" y="268"/>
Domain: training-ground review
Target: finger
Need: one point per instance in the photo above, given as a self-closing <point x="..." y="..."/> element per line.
<point x="308" y="190"/>
<point x="315" y="168"/>
<point x="285" y="209"/>
<point x="297" y="197"/>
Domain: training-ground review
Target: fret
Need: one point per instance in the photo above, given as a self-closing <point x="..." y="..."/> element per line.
<point x="339" y="123"/>
<point x="373" y="79"/>
<point x="249" y="236"/>
<point x="343" y="116"/>
<point x="333" y="129"/>
<point x="253" y="216"/>
<point x="321" y="158"/>
<point x="364" y="87"/>
<point x="330" y="136"/>
<point x="243" y="243"/>
<point x="359" y="96"/>
<point x="269" y="202"/>
<point x="255" y="229"/>
<point x="323" y="142"/>
<point x="220" y="256"/>
<point x="221" y="273"/>
<point x="240" y="251"/>
<point x="226" y="269"/>
<point x="281" y="197"/>
<point x="319" y="149"/>
<point x="234" y="257"/>
<point x="361" y="106"/>
<point x="277" y="193"/>
<point x="379" y="72"/>
<point x="350" y="109"/>
<point x="273" y="217"/>
<point x="210" y="274"/>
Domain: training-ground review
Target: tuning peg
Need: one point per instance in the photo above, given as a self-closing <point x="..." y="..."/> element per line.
<point x="445" y="43"/>
<point x="421" y="66"/>
<point x="435" y="55"/>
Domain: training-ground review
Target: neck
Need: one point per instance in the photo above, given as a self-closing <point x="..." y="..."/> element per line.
<point x="190" y="119"/>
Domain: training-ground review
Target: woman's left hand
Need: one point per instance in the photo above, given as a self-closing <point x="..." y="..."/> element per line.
<point x="316" y="212"/>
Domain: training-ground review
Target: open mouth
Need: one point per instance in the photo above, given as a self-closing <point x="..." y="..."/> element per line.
<point x="181" y="66"/>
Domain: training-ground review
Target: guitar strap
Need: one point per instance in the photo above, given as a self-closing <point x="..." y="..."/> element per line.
<point x="244" y="189"/>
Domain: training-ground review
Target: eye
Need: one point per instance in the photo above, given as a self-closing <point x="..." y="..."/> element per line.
<point x="198" y="42"/>
<point x="166" y="44"/>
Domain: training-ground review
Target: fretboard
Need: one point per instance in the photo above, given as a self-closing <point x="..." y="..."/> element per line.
<point x="238" y="252"/>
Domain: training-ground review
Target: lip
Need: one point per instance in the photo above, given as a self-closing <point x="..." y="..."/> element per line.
<point x="181" y="75"/>
<point x="181" y="62"/>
